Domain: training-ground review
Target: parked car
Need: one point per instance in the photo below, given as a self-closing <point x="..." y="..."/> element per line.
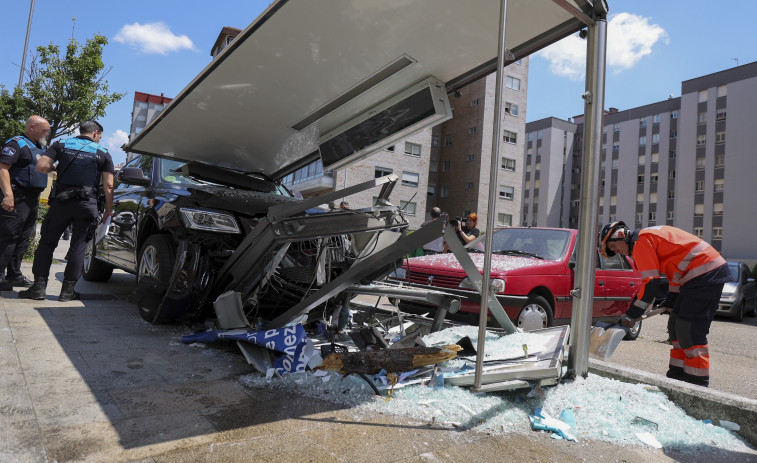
<point x="738" y="298"/>
<point x="533" y="270"/>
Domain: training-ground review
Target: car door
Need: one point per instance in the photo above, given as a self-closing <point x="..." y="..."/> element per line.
<point x="619" y="282"/>
<point x="750" y="288"/>
<point x="122" y="233"/>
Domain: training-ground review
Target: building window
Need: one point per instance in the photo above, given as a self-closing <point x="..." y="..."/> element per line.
<point x="639" y="198"/>
<point x="469" y="186"/>
<point x="643" y="140"/>
<point x="513" y="83"/>
<point x="640" y="179"/>
<point x="703" y="96"/>
<point x="717" y="233"/>
<point x="642" y="159"/>
<point x="653" y="178"/>
<point x="381" y="172"/>
<point x="615" y="147"/>
<point x="435" y="140"/>
<point x="472" y="130"/>
<point x="656" y="119"/>
<point x="432" y="165"/>
<point x="474" y="102"/>
<point x="718" y="185"/>
<point x="408" y="207"/>
<point x="655" y="158"/>
<point x="504" y="220"/>
<point x="448" y="140"/>
<point x="674" y="114"/>
<point x="722" y="90"/>
<point x="719" y="160"/>
<point x="720" y="114"/>
<point x="720" y="137"/>
<point x="671" y="215"/>
<point x="672" y="173"/>
<point x="506" y="192"/>
<point x="616" y="128"/>
<point x="673" y="133"/>
<point x="511" y="109"/>
<point x="698" y="231"/>
<point x="643" y="122"/>
<point x="702" y="118"/>
<point x="509" y="137"/>
<point x="672" y="154"/>
<point x="470" y="157"/>
<point x="717" y="209"/>
<point x="671" y="194"/>
<point x="508" y="164"/>
<point x="410" y="179"/>
<point x="538" y="135"/>
<point x="652" y="216"/>
<point x="655" y="138"/>
<point x="530" y="137"/>
<point x="141" y="117"/>
<point x="431" y="191"/>
<point x="639" y="216"/>
<point x="446" y="165"/>
<point x="412" y="149"/>
<point x="444" y="192"/>
<point x="701" y="140"/>
<point x="700" y="163"/>
<point x="141" y="104"/>
<point x="699" y="186"/>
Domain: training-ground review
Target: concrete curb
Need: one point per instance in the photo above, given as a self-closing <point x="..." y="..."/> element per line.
<point x="699" y="402"/>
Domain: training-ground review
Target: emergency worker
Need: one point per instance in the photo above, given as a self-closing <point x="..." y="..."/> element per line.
<point x="82" y="163"/>
<point x="695" y="273"/>
<point x="21" y="186"/>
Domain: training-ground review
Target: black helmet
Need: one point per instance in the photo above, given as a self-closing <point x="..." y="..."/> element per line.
<point x="605" y="236"/>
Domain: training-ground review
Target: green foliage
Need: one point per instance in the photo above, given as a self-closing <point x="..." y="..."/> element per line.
<point x="12" y="113"/>
<point x="29" y="256"/>
<point x="66" y="88"/>
<point x="42" y="212"/>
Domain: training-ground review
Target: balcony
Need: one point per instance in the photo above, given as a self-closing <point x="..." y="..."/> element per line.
<point x="321" y="181"/>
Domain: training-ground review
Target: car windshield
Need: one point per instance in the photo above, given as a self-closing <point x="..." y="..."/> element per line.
<point x="734" y="268"/>
<point x="530" y="242"/>
<point x="170" y="172"/>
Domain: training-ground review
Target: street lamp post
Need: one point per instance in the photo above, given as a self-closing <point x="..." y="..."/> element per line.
<point x="26" y="44"/>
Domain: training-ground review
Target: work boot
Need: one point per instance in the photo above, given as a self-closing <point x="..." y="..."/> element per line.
<point x="67" y="292"/>
<point x="5" y="285"/>
<point x="37" y="290"/>
<point x="21" y="281"/>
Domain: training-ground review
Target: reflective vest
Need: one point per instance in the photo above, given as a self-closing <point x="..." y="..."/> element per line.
<point x="81" y="170"/>
<point x="27" y="177"/>
<point x="679" y="255"/>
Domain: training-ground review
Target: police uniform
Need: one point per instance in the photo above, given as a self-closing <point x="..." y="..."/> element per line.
<point x="81" y="162"/>
<point x="18" y="227"/>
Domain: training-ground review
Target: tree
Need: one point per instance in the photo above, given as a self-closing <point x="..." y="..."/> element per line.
<point x="12" y="113"/>
<point x="68" y="89"/>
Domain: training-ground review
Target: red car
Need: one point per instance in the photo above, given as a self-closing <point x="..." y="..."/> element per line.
<point x="533" y="270"/>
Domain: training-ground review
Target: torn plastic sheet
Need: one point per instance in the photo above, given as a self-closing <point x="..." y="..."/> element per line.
<point x="292" y="341"/>
<point x="542" y="421"/>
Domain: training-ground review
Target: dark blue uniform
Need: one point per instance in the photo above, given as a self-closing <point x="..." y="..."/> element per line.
<point x="81" y="162"/>
<point x="18" y="227"/>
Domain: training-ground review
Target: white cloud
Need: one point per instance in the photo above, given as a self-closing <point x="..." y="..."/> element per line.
<point x="629" y="38"/>
<point x="113" y="143"/>
<point x="153" y="38"/>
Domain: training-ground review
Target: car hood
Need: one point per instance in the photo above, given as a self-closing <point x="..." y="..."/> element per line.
<point x="304" y="68"/>
<point x="500" y="264"/>
<point x="242" y="201"/>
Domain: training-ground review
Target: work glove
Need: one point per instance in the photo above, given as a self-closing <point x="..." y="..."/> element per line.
<point x="627" y="322"/>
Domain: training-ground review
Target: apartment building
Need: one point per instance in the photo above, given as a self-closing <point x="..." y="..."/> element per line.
<point x="686" y="162"/>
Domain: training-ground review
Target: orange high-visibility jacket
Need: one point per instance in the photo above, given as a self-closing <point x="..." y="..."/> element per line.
<point x="679" y="255"/>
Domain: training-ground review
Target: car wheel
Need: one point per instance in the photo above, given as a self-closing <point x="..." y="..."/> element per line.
<point x="93" y="269"/>
<point x="633" y="332"/>
<point x="535" y="314"/>
<point x="156" y="260"/>
<point x="753" y="311"/>
<point x="739" y="315"/>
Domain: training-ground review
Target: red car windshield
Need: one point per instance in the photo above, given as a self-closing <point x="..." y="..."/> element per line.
<point x="533" y="242"/>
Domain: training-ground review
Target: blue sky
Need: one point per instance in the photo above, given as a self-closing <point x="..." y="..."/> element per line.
<point x="159" y="46"/>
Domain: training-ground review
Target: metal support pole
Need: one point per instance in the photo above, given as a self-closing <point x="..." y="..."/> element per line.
<point x="583" y="294"/>
<point x="26" y="44"/>
<point x="486" y="282"/>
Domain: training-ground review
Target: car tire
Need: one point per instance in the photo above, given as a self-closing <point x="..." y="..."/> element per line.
<point x="93" y="269"/>
<point x="535" y="314"/>
<point x="633" y="332"/>
<point x="156" y="259"/>
<point x="753" y="311"/>
<point x="739" y="315"/>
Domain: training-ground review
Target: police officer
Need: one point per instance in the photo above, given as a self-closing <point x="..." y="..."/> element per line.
<point x="21" y="185"/>
<point x="82" y="162"/>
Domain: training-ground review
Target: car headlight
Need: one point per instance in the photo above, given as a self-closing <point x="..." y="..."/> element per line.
<point x="209" y="220"/>
<point x="497" y="285"/>
<point x="399" y="274"/>
<point x="729" y="291"/>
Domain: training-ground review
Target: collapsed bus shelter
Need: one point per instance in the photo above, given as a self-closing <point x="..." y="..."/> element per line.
<point x="342" y="79"/>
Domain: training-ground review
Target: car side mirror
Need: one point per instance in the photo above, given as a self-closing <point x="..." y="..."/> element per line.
<point x="133" y="176"/>
<point x="571" y="265"/>
<point x="750" y="280"/>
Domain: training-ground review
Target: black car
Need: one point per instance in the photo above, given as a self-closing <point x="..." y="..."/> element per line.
<point x="738" y="298"/>
<point x="191" y="231"/>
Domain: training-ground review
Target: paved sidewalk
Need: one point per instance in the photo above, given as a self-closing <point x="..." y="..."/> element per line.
<point x="91" y="381"/>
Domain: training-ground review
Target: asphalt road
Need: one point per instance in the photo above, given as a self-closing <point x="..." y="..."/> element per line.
<point x="733" y="353"/>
